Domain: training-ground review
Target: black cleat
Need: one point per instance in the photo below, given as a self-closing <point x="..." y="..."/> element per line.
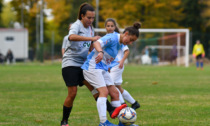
<point x="64" y="123"/>
<point x="135" y="105"/>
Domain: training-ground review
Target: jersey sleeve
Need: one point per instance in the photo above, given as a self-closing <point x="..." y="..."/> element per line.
<point x="74" y="29"/>
<point x="105" y="41"/>
<point x="124" y="48"/>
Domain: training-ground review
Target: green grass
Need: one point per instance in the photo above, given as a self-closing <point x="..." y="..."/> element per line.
<point x="33" y="94"/>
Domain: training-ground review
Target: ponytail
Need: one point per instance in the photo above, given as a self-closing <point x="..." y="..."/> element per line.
<point x="133" y="30"/>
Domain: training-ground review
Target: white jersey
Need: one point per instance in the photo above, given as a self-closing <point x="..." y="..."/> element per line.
<point x="119" y="56"/>
<point x="110" y="45"/>
<point x="77" y="51"/>
<point x="116" y="72"/>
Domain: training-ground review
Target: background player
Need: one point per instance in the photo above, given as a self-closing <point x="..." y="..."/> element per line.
<point x="65" y="42"/>
<point x="198" y="54"/>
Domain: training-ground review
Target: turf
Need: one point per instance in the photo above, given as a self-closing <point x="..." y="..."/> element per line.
<point x="32" y="94"/>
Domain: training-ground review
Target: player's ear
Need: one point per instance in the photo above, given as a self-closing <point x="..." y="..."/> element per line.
<point x="82" y="16"/>
<point x="126" y="33"/>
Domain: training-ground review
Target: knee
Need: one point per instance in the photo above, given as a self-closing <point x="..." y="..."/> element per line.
<point x="114" y="93"/>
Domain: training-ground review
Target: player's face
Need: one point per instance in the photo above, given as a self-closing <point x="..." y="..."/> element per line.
<point x="129" y="39"/>
<point x="110" y="27"/>
<point x="88" y="18"/>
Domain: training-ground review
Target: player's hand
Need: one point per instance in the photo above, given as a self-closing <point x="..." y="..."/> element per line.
<point x="121" y="63"/>
<point x="203" y="55"/>
<point x="95" y="38"/>
<point x="99" y="57"/>
<point x="194" y="55"/>
<point x="109" y="70"/>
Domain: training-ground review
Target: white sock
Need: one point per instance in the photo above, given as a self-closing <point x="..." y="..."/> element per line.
<point x="101" y="106"/>
<point x="115" y="103"/>
<point x="128" y="97"/>
<point x="120" y="97"/>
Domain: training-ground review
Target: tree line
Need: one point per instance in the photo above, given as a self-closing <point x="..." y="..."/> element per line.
<point x="192" y="14"/>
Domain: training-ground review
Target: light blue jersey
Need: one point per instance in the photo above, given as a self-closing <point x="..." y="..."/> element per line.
<point x="110" y="45"/>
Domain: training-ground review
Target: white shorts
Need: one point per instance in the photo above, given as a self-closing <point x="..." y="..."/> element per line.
<point x="98" y="78"/>
<point x="116" y="74"/>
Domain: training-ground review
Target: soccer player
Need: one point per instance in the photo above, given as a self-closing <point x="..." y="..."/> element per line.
<point x="80" y="36"/>
<point x="65" y="42"/>
<point x="118" y="65"/>
<point x="198" y="54"/>
<point x="95" y="68"/>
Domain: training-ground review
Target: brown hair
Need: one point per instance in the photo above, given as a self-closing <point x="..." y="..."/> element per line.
<point x="133" y="30"/>
<point x="115" y="24"/>
<point x="83" y="9"/>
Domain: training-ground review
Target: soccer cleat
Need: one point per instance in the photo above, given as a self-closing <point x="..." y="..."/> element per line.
<point x="64" y="123"/>
<point x="107" y="123"/>
<point x="135" y="105"/>
<point x="120" y="124"/>
<point x="134" y="125"/>
<point x="117" y="111"/>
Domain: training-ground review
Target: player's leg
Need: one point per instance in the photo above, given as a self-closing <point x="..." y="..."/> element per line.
<point x="116" y="76"/>
<point x="72" y="78"/>
<point x="68" y="104"/>
<point x="96" y="79"/>
<point x="201" y="63"/>
<point x="197" y="62"/>
<point x="126" y="95"/>
<point x="95" y="94"/>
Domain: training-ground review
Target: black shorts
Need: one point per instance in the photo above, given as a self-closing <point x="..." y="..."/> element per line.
<point x="73" y="76"/>
<point x="199" y="57"/>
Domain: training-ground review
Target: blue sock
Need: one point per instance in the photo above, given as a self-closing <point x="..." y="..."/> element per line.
<point x="197" y="64"/>
<point x="201" y="64"/>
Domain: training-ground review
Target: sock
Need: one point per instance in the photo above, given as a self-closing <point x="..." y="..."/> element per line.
<point x="197" y="64"/>
<point x="201" y="64"/>
<point x="101" y="106"/>
<point x="116" y="103"/>
<point x="120" y="97"/>
<point x="66" y="112"/>
<point x="128" y="97"/>
<point x="110" y="108"/>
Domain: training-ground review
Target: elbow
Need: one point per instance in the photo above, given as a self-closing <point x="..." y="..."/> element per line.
<point x="70" y="38"/>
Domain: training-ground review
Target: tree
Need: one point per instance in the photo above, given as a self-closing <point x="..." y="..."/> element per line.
<point x="1" y="8"/>
<point x="152" y="13"/>
<point x="8" y="16"/>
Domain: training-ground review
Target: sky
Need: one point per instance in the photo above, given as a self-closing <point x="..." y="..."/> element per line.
<point x="7" y="0"/>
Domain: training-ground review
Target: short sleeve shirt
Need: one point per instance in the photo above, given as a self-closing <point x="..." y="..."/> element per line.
<point x="77" y="51"/>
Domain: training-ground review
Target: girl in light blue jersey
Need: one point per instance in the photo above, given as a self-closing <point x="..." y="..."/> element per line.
<point x="95" y="68"/>
<point x="118" y="66"/>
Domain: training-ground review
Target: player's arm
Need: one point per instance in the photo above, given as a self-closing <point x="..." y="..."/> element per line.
<point x="194" y="51"/>
<point x="99" y="49"/>
<point x="121" y="62"/>
<point x="203" y="52"/>
<point x="75" y="37"/>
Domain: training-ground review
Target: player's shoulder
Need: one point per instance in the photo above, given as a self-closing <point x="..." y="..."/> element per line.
<point x="76" y="23"/>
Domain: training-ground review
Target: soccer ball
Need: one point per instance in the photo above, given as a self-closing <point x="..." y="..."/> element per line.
<point x="127" y="116"/>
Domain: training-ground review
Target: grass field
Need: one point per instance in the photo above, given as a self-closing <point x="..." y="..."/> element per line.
<point x="33" y="94"/>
